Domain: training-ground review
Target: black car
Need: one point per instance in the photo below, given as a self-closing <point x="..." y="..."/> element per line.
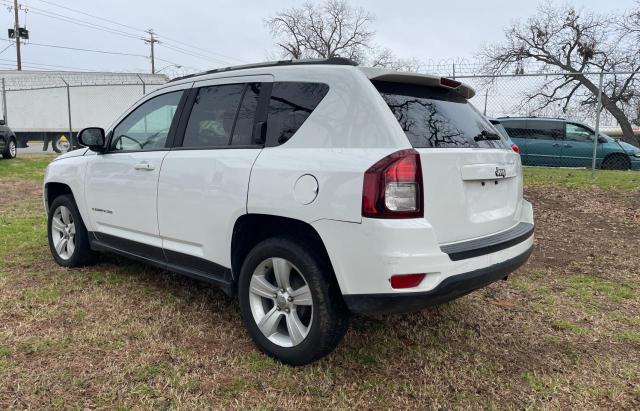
<point x="8" y="145"/>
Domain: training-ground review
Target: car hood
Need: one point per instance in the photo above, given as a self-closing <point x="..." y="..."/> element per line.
<point x="631" y="149"/>
<point x="74" y="153"/>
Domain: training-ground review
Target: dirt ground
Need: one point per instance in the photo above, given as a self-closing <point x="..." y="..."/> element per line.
<point x="562" y="332"/>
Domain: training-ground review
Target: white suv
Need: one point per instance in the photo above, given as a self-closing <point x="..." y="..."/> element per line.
<point x="309" y="189"/>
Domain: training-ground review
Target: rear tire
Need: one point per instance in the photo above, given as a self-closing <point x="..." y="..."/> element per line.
<point x="68" y="236"/>
<point x="286" y="288"/>
<point x="616" y="162"/>
<point x="12" y="151"/>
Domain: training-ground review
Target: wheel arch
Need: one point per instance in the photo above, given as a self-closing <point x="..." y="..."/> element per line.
<point x="52" y="190"/>
<point x="251" y="229"/>
<point x="624" y="158"/>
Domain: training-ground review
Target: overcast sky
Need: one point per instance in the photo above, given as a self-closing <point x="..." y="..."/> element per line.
<point x="231" y="32"/>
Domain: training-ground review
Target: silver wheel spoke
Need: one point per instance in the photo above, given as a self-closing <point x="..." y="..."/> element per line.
<point x="61" y="246"/>
<point x="297" y="330"/>
<point x="57" y="224"/>
<point x="260" y="286"/>
<point x="281" y="270"/>
<point x="269" y="323"/>
<point x="302" y="296"/>
<point x="66" y="215"/>
<point x="71" y="245"/>
<point x="72" y="228"/>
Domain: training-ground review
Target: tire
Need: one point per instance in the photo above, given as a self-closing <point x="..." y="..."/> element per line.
<point x="60" y="147"/>
<point x="326" y="320"/>
<point x="12" y="151"/>
<point x="616" y="162"/>
<point x="68" y="225"/>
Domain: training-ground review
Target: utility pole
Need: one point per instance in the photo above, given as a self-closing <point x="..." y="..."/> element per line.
<point x="17" y="28"/>
<point x="151" y="41"/>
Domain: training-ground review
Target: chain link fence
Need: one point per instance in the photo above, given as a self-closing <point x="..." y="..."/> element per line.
<point x="54" y="106"/>
<point x="554" y="117"/>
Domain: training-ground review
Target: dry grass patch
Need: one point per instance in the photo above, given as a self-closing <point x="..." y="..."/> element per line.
<point x="563" y="332"/>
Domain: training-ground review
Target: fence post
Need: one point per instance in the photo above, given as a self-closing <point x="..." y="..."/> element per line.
<point x="454" y="71"/>
<point x="597" y="134"/>
<point x="4" y="103"/>
<point x="72" y="141"/>
<point x="144" y="86"/>
<point x="486" y="97"/>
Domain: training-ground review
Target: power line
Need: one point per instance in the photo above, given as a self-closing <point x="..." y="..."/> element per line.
<point x="91" y="15"/>
<point x="86" y="50"/>
<point x="140" y="30"/>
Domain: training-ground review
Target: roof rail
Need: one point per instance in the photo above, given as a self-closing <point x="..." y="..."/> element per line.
<point x="340" y="61"/>
<point x="536" y="117"/>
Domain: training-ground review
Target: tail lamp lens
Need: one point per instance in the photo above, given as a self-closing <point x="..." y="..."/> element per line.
<point x="393" y="187"/>
<point x="515" y="148"/>
<point x="406" y="280"/>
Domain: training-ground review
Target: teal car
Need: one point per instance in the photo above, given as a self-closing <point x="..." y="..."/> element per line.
<point x="563" y="143"/>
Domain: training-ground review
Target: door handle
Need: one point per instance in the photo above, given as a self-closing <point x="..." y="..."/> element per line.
<point x="567" y="145"/>
<point x="144" y="166"/>
<point x="556" y="144"/>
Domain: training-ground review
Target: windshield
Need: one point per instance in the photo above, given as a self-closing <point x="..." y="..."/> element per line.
<point x="435" y="117"/>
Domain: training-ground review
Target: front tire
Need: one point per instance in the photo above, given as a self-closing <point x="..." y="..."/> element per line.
<point x="12" y="151"/>
<point x="616" y="162"/>
<point x="68" y="236"/>
<point x="290" y="304"/>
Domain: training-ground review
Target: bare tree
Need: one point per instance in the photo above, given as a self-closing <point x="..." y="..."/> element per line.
<point x="563" y="39"/>
<point x="385" y="58"/>
<point x="331" y="29"/>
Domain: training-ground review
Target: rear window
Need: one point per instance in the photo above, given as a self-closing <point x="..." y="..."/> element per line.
<point x="290" y="105"/>
<point x="435" y="117"/>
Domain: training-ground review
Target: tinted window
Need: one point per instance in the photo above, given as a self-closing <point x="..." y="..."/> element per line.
<point x="147" y="127"/>
<point x="545" y="130"/>
<point x="212" y="116"/>
<point x="290" y="105"/>
<point x="498" y="126"/>
<point x="437" y="117"/>
<point x="243" y="131"/>
<point x="579" y="133"/>
<point x="515" y="128"/>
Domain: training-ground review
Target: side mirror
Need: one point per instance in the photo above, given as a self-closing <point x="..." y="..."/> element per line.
<point x="2" y="122"/>
<point x="93" y="137"/>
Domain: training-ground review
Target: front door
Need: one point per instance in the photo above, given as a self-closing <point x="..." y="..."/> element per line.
<point x="578" y="147"/>
<point x="121" y="185"/>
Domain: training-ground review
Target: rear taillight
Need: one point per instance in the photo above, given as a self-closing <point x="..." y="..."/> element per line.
<point x="447" y="82"/>
<point x="515" y="148"/>
<point x="393" y="187"/>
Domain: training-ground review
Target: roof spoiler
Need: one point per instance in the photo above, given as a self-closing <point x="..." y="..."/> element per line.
<point x="419" y="79"/>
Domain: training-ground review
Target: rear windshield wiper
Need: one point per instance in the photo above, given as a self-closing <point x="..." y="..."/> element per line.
<point x="486" y="135"/>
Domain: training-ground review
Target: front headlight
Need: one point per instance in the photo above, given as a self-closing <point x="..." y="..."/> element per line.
<point x="637" y="154"/>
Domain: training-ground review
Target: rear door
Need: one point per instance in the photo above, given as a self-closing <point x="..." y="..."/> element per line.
<point x="545" y="141"/>
<point x="204" y="179"/>
<point x="577" y="150"/>
<point x="472" y="185"/>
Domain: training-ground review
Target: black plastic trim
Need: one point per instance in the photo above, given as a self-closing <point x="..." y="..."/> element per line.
<point x="451" y="288"/>
<point x="489" y="244"/>
<point x="338" y="61"/>
<point x="190" y="266"/>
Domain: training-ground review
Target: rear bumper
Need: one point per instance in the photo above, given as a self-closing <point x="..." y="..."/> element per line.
<point x="449" y="289"/>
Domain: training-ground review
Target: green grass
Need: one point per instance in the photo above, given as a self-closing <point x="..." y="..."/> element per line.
<point x="573" y="177"/>
<point x="29" y="167"/>
<point x="589" y="286"/>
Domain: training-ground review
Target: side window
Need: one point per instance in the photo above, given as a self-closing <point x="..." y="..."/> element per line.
<point x="243" y="131"/>
<point x="545" y="130"/>
<point x="515" y="128"/>
<point x="579" y="133"/>
<point x="290" y="105"/>
<point x="212" y="116"/>
<point x="146" y="128"/>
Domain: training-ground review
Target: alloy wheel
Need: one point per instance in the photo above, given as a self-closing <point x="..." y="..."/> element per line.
<point x="281" y="302"/>
<point x="63" y="232"/>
